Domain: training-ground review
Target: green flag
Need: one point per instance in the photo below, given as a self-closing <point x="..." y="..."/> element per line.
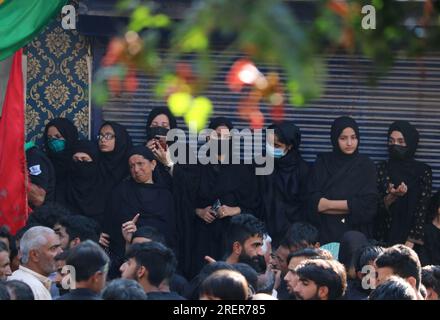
<point x="22" y="20"/>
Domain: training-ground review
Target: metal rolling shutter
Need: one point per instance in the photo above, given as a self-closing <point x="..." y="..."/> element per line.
<point x="410" y="91"/>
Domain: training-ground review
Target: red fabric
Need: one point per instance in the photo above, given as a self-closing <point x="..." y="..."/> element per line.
<point x="13" y="201"/>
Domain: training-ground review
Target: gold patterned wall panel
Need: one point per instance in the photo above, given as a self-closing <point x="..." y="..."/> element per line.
<point x="57" y="80"/>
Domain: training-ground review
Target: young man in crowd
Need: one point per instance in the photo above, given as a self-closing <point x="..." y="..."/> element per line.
<point x="431" y="281"/>
<point x="90" y="266"/>
<point x="320" y="279"/>
<point x="401" y="261"/>
<point x="151" y="264"/>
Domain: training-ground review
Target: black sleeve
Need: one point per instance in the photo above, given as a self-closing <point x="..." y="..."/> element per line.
<point x="41" y="171"/>
<point x="416" y="232"/>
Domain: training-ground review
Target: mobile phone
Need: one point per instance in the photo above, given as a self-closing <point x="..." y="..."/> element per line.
<point x="162" y="143"/>
<point x="217" y="204"/>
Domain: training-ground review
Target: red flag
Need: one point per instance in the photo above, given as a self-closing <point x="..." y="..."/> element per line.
<point x="13" y="202"/>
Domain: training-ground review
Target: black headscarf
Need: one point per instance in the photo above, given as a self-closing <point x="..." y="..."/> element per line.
<point x="84" y="194"/>
<point x="283" y="192"/>
<point x="61" y="160"/>
<point x="403" y="170"/>
<point x="220" y="121"/>
<point x="158" y="111"/>
<point x="338" y="176"/>
<point x="143" y="151"/>
<point x="410" y="134"/>
<point x="113" y="164"/>
<point x="339" y="158"/>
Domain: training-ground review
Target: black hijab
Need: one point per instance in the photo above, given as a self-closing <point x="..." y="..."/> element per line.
<point x="220" y="121"/>
<point x="289" y="134"/>
<point x="84" y="194"/>
<point x="158" y="175"/>
<point x="113" y="165"/>
<point x="403" y="170"/>
<point x="61" y="160"/>
<point x="339" y="159"/>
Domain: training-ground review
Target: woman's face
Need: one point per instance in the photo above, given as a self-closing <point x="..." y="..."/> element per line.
<point x="275" y="141"/>
<point x="396" y="137"/>
<point x="348" y="141"/>
<point x="82" y="157"/>
<point x="53" y="133"/>
<point x="141" y="169"/>
<point x="161" y="120"/>
<point x="107" y="139"/>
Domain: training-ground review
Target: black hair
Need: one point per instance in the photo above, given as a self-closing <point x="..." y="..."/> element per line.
<point x="324" y="273"/>
<point x="364" y="255"/>
<point x="48" y="215"/>
<point x="149" y="232"/>
<point x="3" y="247"/>
<point x="402" y="260"/>
<point x="310" y="253"/>
<point x="124" y="289"/>
<point x="19" y="290"/>
<point x="4" y="233"/>
<point x="249" y="273"/>
<point x="192" y="290"/>
<point x="4" y="294"/>
<point x="225" y="285"/>
<point x="431" y="278"/>
<point x="300" y="235"/>
<point x="81" y="227"/>
<point x="394" y="288"/>
<point x="87" y="258"/>
<point x="159" y="260"/>
<point x="241" y="228"/>
<point x="266" y="282"/>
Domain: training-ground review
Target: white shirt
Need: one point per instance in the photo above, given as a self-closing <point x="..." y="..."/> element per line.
<point x="39" y="284"/>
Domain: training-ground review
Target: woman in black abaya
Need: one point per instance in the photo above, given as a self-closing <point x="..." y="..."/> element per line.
<point x="142" y="194"/>
<point x="405" y="188"/>
<point x="232" y="186"/>
<point x="342" y="190"/>
<point x="84" y="195"/>
<point x="60" y="135"/>
<point x="284" y="191"/>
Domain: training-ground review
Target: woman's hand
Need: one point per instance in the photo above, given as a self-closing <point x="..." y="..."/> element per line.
<point x="226" y="211"/>
<point x="104" y="240"/>
<point x="323" y="205"/>
<point x="206" y="214"/>
<point x="400" y="191"/>
<point x="129" y="228"/>
<point x="162" y="155"/>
